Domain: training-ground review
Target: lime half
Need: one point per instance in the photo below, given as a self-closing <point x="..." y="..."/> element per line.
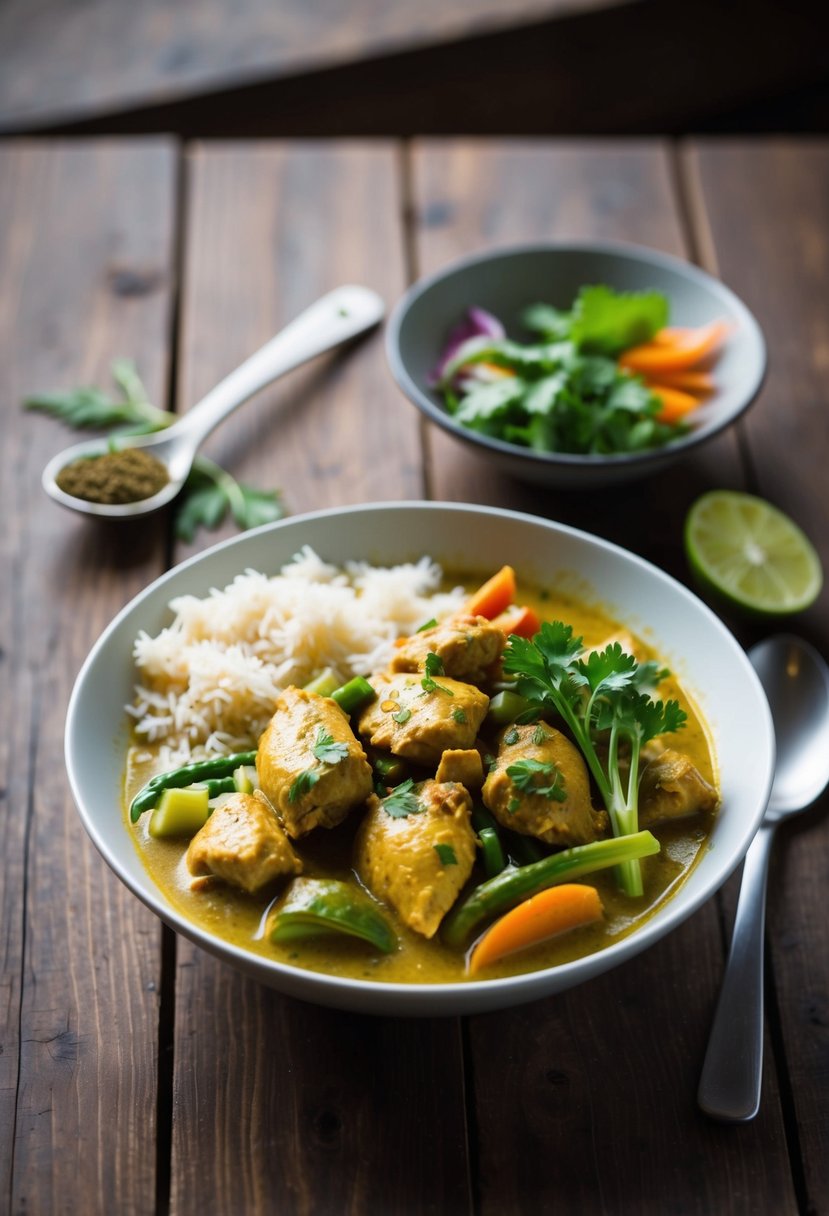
<point x="752" y="554"/>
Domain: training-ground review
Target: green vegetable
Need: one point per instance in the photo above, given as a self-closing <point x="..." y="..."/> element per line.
<point x="513" y="886"/>
<point x="325" y="906"/>
<point x="323" y="684"/>
<point x="430" y="685"/>
<point x="433" y="665"/>
<point x="430" y="624"/>
<point x="218" y="785"/>
<point x="326" y="750"/>
<point x="446" y="854"/>
<point x="402" y="801"/>
<point x="180" y="812"/>
<point x="188" y="774"/>
<point x="354" y="695"/>
<point x="565" y="393"/>
<point x="493" y="854"/>
<point x="209" y="491"/>
<point x="244" y="779"/>
<point x="390" y="769"/>
<point x="529" y="777"/>
<point x="599" y="695"/>
<point x="504" y="708"/>
<point x="302" y="784"/>
<point x="459" y="716"/>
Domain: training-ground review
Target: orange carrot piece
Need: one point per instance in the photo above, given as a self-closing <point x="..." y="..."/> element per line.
<point x="494" y="596"/>
<point x="683" y="350"/>
<point x="701" y="383"/>
<point x="675" y="403"/>
<point x="522" y="621"/>
<point x="545" y="915"/>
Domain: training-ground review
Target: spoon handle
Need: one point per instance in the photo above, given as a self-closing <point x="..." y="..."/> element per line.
<point x="335" y="318"/>
<point x="729" y="1087"/>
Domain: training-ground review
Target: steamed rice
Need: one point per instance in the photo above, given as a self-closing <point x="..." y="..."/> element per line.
<point x="208" y="682"/>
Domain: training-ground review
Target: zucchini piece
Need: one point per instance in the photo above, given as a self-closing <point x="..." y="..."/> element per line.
<point x="180" y="812"/>
<point x="326" y="906"/>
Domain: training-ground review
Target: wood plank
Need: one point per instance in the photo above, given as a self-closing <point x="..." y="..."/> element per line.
<point x="87" y="252"/>
<point x="607" y="1074"/>
<point x="293" y="1107"/>
<point x="770" y="245"/>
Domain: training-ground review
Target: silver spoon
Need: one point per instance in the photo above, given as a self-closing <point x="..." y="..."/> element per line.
<point x="796" y="681"/>
<point x="332" y="320"/>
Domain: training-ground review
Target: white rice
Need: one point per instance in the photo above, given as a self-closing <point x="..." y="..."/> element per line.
<point x="208" y="682"/>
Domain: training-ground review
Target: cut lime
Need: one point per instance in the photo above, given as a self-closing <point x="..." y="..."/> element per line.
<point x="752" y="554"/>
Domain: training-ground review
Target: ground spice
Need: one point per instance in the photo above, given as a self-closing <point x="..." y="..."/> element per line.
<point x="114" y="477"/>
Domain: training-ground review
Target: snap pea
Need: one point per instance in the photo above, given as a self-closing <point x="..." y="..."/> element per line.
<point x="354" y="695"/>
<point x="514" y="885"/>
<point x="325" y="906"/>
<point x="188" y="774"/>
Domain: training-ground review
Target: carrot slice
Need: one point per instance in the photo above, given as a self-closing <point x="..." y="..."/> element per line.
<point x="701" y="383"/>
<point x="522" y="621"/>
<point x="683" y="349"/>
<point x="675" y="403"/>
<point x="494" y="596"/>
<point x="545" y="915"/>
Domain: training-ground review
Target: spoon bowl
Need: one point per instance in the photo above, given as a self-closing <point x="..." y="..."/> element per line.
<point x="336" y="318"/>
<point x="796" y="681"/>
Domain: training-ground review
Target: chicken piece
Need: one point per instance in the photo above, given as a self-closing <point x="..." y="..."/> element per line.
<point x="538" y="786"/>
<point x="419" y="861"/>
<point x="672" y="788"/>
<point x="468" y="646"/>
<point x="463" y="765"/>
<point x="243" y="843"/>
<point x="420" y="719"/>
<point x="311" y="767"/>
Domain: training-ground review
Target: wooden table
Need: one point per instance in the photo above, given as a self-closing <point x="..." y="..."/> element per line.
<point x="139" y="1075"/>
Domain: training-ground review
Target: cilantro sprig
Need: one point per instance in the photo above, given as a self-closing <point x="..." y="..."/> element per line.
<point x="208" y="494"/>
<point x="402" y="801"/>
<point x="326" y="750"/>
<point x="538" y="777"/>
<point x="602" y="696"/>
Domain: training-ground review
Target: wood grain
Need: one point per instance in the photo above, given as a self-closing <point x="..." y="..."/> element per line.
<point x="296" y="1108"/>
<point x="604" y="1077"/>
<point x="86" y="250"/>
<point x="771" y="246"/>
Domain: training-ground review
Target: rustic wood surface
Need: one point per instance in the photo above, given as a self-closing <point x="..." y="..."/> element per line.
<point x="137" y="1074"/>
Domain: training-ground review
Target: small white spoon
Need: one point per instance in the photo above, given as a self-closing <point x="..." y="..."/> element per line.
<point x="332" y="320"/>
<point x="796" y="681"/>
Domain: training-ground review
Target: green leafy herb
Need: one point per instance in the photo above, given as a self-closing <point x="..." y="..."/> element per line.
<point x="446" y="854"/>
<point x="402" y="716"/>
<point x="430" y="685"/>
<point x="426" y="625"/>
<point x="433" y="665"/>
<point x="459" y="715"/>
<point x="512" y="736"/>
<point x="601" y="695"/>
<point x="326" y="750"/>
<point x="209" y="492"/>
<point x="540" y="735"/>
<point x="566" y="392"/>
<point x="402" y="801"/>
<point x="302" y="783"/>
<point x="537" y="777"/>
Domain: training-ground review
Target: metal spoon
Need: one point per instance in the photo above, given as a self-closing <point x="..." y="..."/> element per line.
<point x="332" y="320"/>
<point x="796" y="681"/>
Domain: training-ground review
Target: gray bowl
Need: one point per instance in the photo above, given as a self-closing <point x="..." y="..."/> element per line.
<point x="505" y="281"/>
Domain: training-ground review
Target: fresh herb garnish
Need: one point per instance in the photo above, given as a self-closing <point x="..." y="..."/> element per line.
<point x="537" y="777"/>
<point x="326" y="750"/>
<point x="402" y="801"/>
<point x="401" y="717"/>
<point x="209" y="492"/>
<point x="446" y="854"/>
<point x="430" y="685"/>
<point x="433" y="664"/>
<point x="600" y="697"/>
<point x="512" y="736"/>
<point x="302" y="783"/>
<point x="426" y="625"/>
<point x="564" y="392"/>
<point x="459" y="715"/>
<point x="539" y="735"/>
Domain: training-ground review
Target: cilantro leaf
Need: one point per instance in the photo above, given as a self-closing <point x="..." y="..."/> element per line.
<point x="459" y="715"/>
<point x="302" y="784"/>
<point x="256" y="507"/>
<point x="326" y="750"/>
<point x="430" y="685"/>
<point x="528" y="777"/>
<point x="402" y="801"/>
<point x="446" y="854"/>
<point x="402" y="716"/>
<point x="609" y="321"/>
<point x="433" y="664"/>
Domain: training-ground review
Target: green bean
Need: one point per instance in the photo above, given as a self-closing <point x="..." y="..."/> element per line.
<point x="493" y="854"/>
<point x="220" y="785"/>
<point x="354" y="695"/>
<point x="188" y="774"/>
<point x="513" y="886"/>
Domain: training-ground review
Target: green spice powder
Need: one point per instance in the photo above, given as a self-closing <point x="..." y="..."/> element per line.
<point x="115" y="477"/>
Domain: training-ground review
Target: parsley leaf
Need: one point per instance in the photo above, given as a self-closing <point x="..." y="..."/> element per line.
<point x="326" y="750"/>
<point x="433" y="665"/>
<point x="402" y="801"/>
<point x="209" y="492"/>
<point x="302" y="783"/>
<point x="446" y="854"/>
<point x="528" y="776"/>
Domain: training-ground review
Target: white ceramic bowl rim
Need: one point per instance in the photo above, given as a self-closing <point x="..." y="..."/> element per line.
<point x="623" y="249"/>
<point x="413" y="999"/>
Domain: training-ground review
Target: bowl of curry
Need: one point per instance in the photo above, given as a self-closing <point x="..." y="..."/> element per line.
<point x="419" y="759"/>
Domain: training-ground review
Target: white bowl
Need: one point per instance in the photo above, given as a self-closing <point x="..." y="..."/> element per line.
<point x="699" y="649"/>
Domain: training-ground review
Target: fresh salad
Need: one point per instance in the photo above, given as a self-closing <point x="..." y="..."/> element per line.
<point x="606" y="376"/>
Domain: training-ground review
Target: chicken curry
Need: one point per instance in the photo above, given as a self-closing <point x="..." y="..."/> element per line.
<point x="381" y="830"/>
